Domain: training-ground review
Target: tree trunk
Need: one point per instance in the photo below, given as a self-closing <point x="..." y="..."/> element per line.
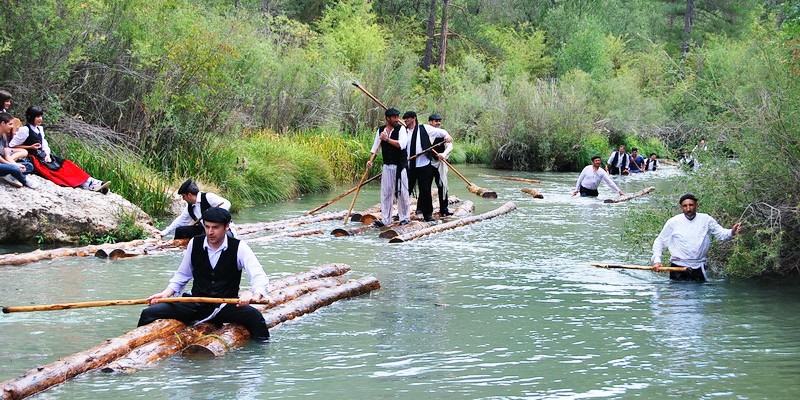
<point x="249" y="229"/>
<point x="513" y="178"/>
<point x="427" y="56"/>
<point x="630" y="196"/>
<point x="443" y="38"/>
<point x="688" y="18"/>
<point x="57" y="372"/>
<point x="533" y="192"/>
<point x="233" y="335"/>
<point x="504" y="209"/>
<point x="462" y="210"/>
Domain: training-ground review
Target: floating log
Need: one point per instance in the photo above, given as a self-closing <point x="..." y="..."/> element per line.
<point x="485" y="193"/>
<point x="156" y="350"/>
<point x="645" y="267"/>
<point x="233" y="335"/>
<point x="512" y="178"/>
<point x="466" y="208"/>
<point x="504" y="209"/>
<point x="249" y="229"/>
<point x="284" y="235"/>
<point x="45" y="376"/>
<point x="630" y="196"/>
<point x="533" y="192"/>
<point x="339" y="232"/>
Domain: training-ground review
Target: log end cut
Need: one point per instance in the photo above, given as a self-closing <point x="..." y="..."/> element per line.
<point x="339" y="232"/>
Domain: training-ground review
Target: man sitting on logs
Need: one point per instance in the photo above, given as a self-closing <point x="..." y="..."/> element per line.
<point x="188" y="224"/>
<point x="215" y="262"/>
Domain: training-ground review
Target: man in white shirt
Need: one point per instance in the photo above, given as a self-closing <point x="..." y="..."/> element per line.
<point x="688" y="238"/>
<point x="392" y="139"/>
<point x="589" y="180"/>
<point x="435" y="120"/>
<point x="421" y="171"/>
<point x="188" y="224"/>
<point x="618" y="162"/>
<point x="215" y="262"/>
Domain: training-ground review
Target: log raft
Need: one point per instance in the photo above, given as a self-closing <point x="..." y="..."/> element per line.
<point x="504" y="209"/>
<point x="43" y="377"/>
<point x="463" y="210"/>
<point x="630" y="196"/>
<point x="233" y="335"/>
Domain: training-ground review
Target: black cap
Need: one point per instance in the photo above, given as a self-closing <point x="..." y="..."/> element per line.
<point x="391" y="111"/>
<point x="410" y="114"/>
<point x="687" y="196"/>
<point x="435" y="117"/>
<point x="217" y="214"/>
<point x="188" y="187"/>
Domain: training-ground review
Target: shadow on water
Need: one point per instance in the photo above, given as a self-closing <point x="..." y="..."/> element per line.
<point x="508" y="308"/>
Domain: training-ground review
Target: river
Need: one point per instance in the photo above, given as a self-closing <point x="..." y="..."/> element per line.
<point x="508" y="308"/>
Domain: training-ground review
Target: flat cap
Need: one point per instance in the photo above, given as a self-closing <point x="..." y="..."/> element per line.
<point x="391" y="111"/>
<point x="410" y="114"/>
<point x="435" y="117"/>
<point x="217" y="214"/>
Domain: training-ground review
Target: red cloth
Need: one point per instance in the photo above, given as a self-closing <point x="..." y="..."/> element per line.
<point x="68" y="175"/>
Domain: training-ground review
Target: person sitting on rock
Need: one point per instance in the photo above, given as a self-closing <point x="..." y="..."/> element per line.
<point x="189" y="224"/>
<point x="58" y="170"/>
<point x="10" y="170"/>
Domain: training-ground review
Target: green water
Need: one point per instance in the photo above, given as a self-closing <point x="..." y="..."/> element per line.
<point x="507" y="308"/>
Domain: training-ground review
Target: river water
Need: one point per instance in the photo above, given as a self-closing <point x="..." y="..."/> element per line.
<point x="507" y="308"/>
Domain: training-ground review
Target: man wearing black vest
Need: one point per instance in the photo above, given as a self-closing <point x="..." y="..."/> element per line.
<point x="421" y="171"/>
<point x="444" y="149"/>
<point x="392" y="139"/>
<point x="618" y="162"/>
<point x="215" y="263"/>
<point x="187" y="224"/>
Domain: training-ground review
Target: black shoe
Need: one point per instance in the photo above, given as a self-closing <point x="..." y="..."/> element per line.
<point x="395" y="218"/>
<point x="104" y="190"/>
<point x="378" y="223"/>
<point x="445" y="213"/>
<point x="429" y="218"/>
<point x="404" y="222"/>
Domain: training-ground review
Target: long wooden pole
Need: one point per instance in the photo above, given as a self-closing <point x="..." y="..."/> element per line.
<point x="355" y="196"/>
<point x="106" y="303"/>
<point x="644" y="267"/>
<point x="341" y="196"/>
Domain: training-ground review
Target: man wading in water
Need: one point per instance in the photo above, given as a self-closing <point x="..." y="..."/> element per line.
<point x="688" y="238"/>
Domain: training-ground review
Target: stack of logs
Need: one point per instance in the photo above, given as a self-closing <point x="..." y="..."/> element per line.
<point x="291" y="297"/>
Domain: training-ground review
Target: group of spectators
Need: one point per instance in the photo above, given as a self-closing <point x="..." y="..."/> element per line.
<point x="24" y="150"/>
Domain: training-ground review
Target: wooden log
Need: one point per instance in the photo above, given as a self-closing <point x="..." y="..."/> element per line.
<point x="249" y="229"/>
<point x="513" y="178"/>
<point x="464" y="209"/>
<point x="149" y="353"/>
<point x="284" y="235"/>
<point x="504" y="209"/>
<point x="322" y="271"/>
<point x="644" y="267"/>
<point x="233" y="335"/>
<point x="344" y="231"/>
<point x="45" y="376"/>
<point x="630" y="196"/>
<point x="485" y="193"/>
<point x="533" y="192"/>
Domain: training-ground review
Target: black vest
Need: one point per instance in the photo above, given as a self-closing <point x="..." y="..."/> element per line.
<point x="33" y="137"/>
<point x="222" y="281"/>
<point x="204" y="205"/>
<point x="392" y="155"/>
<point x="647" y="164"/>
<point x="615" y="160"/>
<point x="424" y="139"/>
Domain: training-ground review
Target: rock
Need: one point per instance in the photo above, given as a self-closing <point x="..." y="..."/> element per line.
<point x="61" y="214"/>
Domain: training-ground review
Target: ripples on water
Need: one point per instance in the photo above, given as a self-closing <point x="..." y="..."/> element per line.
<point x="508" y="308"/>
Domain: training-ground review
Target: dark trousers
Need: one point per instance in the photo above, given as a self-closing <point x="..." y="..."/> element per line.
<point x="443" y="201"/>
<point x="188" y="313"/>
<point x="612" y="170"/>
<point x="585" y="192"/>
<point x="423" y="177"/>
<point x="691" y="274"/>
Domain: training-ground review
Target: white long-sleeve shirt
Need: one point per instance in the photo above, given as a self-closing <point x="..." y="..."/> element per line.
<point x="590" y="179"/>
<point x="688" y="241"/>
<point x="185" y="219"/>
<point x="245" y="259"/>
<point x="433" y="133"/>
<point x="402" y="137"/>
<point x="23" y="133"/>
